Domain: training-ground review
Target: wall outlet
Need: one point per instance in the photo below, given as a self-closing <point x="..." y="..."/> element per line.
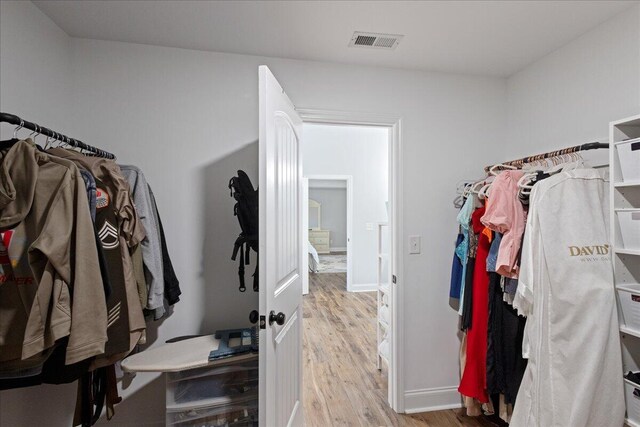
<point x="414" y="244"/>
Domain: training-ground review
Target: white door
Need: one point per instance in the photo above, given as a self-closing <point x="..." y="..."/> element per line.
<point x="305" y="235"/>
<point x="280" y="273"/>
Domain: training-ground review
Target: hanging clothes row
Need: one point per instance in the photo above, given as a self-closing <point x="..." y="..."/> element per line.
<point x="532" y="275"/>
<point x="84" y="266"/>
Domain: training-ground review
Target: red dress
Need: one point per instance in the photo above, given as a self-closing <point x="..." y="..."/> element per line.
<point x="474" y="377"/>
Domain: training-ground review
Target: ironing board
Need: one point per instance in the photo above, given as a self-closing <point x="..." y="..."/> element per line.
<point x="179" y="356"/>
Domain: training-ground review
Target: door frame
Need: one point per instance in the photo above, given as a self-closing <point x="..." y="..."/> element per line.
<point x="304" y="233"/>
<point x="349" y="181"/>
<point x="394" y="124"/>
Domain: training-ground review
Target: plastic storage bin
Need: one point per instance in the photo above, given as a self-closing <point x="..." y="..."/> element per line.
<point x="629" y="220"/>
<point x="632" y="400"/>
<point x="241" y="411"/>
<point x="629" y="156"/>
<point x="629" y="299"/>
<point x="194" y="386"/>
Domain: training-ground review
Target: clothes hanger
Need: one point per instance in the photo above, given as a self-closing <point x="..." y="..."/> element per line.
<point x="563" y="162"/>
<point x="536" y="174"/>
<point x="47" y="142"/>
<point x="475" y="188"/>
<point x="33" y="134"/>
<point x="11" y="142"/>
<point x="492" y="169"/>
<point x="461" y="185"/>
<point x="467" y="190"/>
<point x="574" y="161"/>
<point x="484" y="191"/>
<point x="15" y="131"/>
<point x="533" y="165"/>
<point x="461" y="188"/>
<point x="458" y="201"/>
<point x="529" y="166"/>
<point x="525" y="184"/>
<point x="59" y="142"/>
<point x="54" y="138"/>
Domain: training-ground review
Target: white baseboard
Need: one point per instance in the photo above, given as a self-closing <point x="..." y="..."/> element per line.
<point x="363" y="287"/>
<point x="431" y="399"/>
<point x="338" y="249"/>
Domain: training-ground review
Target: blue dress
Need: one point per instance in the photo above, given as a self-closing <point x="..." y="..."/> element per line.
<point x="456" y="271"/>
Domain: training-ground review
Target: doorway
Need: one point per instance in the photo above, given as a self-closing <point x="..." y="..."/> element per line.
<point x="327" y="227"/>
<point x="343" y="311"/>
<point x="282" y="329"/>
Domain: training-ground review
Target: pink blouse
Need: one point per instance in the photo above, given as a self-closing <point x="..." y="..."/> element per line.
<point x="505" y="214"/>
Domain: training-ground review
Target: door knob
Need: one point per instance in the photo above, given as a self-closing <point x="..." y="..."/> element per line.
<point x="278" y="318"/>
<point x="254" y="316"/>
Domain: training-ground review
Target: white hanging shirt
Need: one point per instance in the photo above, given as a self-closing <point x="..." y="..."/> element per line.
<point x="574" y="374"/>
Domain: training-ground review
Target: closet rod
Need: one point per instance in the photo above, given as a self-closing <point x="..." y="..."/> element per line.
<point x="569" y="150"/>
<point x="17" y="121"/>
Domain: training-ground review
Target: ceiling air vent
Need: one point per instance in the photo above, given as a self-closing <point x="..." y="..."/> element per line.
<point x="375" y="40"/>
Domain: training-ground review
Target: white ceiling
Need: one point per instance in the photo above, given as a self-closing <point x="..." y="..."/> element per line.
<point x="474" y="37"/>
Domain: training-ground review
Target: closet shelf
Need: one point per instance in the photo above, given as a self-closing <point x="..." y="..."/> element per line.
<point x="623" y="184"/>
<point x="627" y="251"/>
<point x="627" y="141"/>
<point x="384" y="309"/>
<point x="627" y="286"/>
<point x="624" y="198"/>
<point x="631" y="423"/>
<point x="629" y="331"/>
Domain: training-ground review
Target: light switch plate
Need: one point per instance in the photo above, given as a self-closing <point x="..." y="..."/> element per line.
<point x="369" y="226"/>
<point x="414" y="244"/>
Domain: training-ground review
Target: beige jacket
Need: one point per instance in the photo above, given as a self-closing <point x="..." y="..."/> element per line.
<point x="50" y="283"/>
<point x="132" y="230"/>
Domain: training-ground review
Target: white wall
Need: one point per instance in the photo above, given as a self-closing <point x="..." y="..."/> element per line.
<point x="182" y="114"/>
<point x="363" y="153"/>
<point x="34" y="84"/>
<point x="570" y="96"/>
<point x="35" y="67"/>
<point x="334" y="214"/>
<point x="189" y="119"/>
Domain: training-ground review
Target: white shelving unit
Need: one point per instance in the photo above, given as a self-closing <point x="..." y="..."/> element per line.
<point x="384" y="296"/>
<point x="625" y="196"/>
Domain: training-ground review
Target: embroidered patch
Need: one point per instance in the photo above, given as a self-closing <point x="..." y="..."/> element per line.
<point x="109" y="236"/>
<point x="13" y="249"/>
<point x="4" y="247"/>
<point x="102" y="198"/>
<point x="114" y="314"/>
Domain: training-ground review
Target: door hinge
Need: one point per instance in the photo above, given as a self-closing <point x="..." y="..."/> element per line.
<point x="263" y="322"/>
<point x="394" y="279"/>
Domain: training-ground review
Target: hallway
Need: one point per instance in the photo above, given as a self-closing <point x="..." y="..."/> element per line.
<point x="341" y="383"/>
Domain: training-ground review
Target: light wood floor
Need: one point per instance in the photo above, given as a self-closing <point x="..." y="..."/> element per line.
<point x="342" y="386"/>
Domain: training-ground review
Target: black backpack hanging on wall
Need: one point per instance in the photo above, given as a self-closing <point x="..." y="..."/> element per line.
<point x="246" y="209"/>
